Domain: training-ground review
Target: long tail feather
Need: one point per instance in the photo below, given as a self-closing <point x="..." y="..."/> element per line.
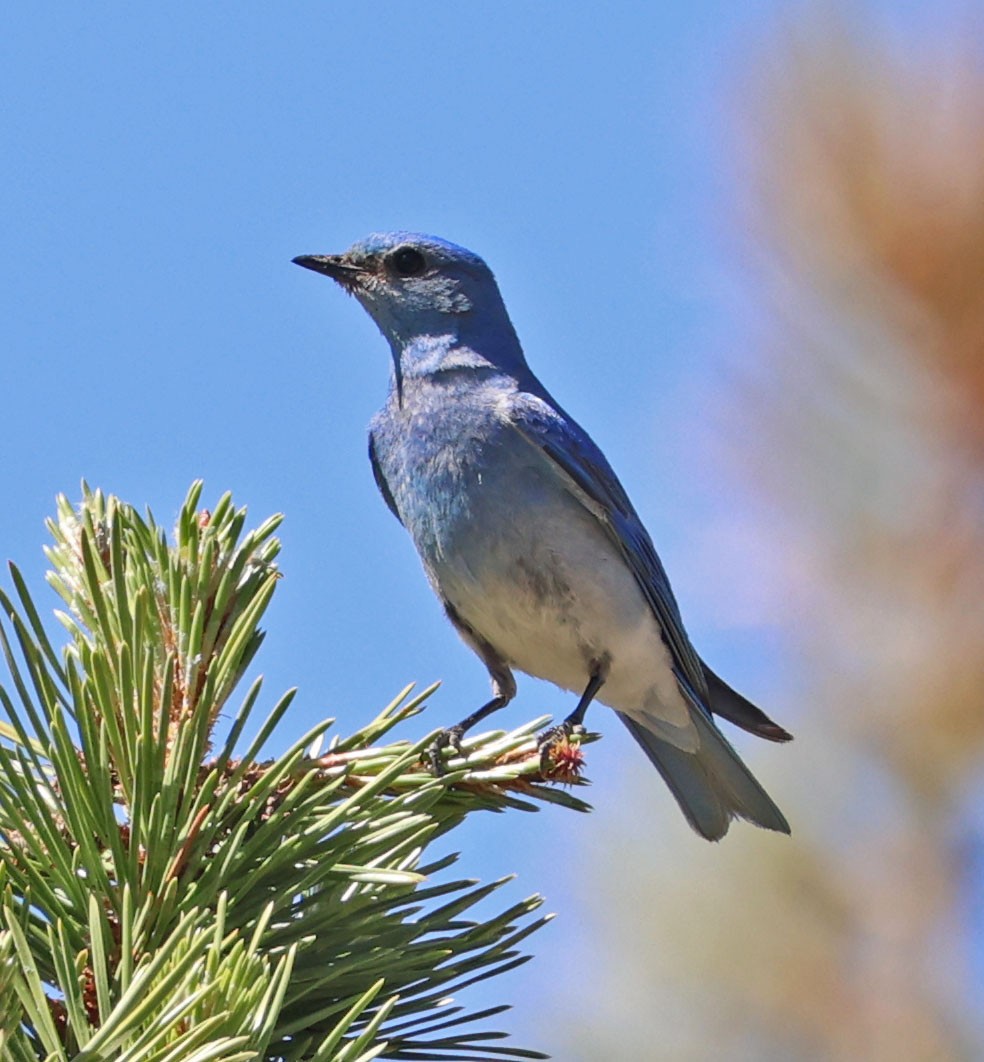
<point x="711" y="785"/>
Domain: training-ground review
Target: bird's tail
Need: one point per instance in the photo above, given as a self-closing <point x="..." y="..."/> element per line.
<point x="711" y="785"/>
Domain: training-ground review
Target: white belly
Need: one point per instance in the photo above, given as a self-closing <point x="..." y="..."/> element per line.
<point x="555" y="600"/>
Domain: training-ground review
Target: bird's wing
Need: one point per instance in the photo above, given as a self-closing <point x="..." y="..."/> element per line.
<point x="730" y="705"/>
<point x="584" y="473"/>
<point x="377" y="475"/>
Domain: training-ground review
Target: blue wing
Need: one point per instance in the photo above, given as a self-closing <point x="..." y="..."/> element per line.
<point x="586" y="474"/>
<point x="377" y="475"/>
<point x="712" y="784"/>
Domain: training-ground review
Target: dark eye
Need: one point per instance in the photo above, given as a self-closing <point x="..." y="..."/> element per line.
<point x="407" y="262"/>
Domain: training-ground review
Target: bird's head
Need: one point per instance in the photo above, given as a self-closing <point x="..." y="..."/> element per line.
<point x="421" y="291"/>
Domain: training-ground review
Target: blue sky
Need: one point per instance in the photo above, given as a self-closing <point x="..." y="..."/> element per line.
<point x="163" y="164"/>
<point x="160" y="173"/>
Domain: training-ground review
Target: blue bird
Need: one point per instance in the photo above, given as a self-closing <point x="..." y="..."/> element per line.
<point x="526" y="534"/>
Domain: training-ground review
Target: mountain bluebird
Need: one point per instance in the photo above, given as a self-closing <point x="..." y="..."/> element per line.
<point x="526" y="534"/>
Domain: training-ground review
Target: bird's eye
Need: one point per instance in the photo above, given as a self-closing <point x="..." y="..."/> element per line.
<point x="407" y="262"/>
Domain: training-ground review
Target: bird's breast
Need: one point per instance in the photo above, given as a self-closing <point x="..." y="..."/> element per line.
<point x="521" y="560"/>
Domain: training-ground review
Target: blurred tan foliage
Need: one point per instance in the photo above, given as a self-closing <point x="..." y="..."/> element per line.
<point x="868" y="186"/>
<point x="862" y="431"/>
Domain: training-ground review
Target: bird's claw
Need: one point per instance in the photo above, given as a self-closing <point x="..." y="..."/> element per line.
<point x="548" y="740"/>
<point x="447" y="739"/>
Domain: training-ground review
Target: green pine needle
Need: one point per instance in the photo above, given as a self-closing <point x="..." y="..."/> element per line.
<point x="168" y="898"/>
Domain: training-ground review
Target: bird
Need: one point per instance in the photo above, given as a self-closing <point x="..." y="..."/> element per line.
<point x="527" y="536"/>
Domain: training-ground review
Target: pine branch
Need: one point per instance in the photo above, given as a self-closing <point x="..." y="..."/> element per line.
<point x="165" y="898"/>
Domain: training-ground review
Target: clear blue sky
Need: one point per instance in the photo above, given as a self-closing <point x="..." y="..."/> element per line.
<point x="161" y="165"/>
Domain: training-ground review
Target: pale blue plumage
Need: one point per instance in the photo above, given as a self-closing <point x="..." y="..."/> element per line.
<point x="525" y="532"/>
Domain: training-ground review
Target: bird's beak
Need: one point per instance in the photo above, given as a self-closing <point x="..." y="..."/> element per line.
<point x="332" y="265"/>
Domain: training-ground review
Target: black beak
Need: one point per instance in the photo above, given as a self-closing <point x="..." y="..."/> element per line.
<point x="331" y="265"/>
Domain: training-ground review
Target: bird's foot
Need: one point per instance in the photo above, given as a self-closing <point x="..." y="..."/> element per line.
<point x="447" y="739"/>
<point x="554" y="738"/>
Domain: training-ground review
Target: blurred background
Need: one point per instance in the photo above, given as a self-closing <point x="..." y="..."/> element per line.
<point x="744" y="245"/>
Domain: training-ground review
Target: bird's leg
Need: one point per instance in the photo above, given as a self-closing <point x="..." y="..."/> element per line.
<point x="503" y="691"/>
<point x="451" y="737"/>
<point x="573" y="724"/>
